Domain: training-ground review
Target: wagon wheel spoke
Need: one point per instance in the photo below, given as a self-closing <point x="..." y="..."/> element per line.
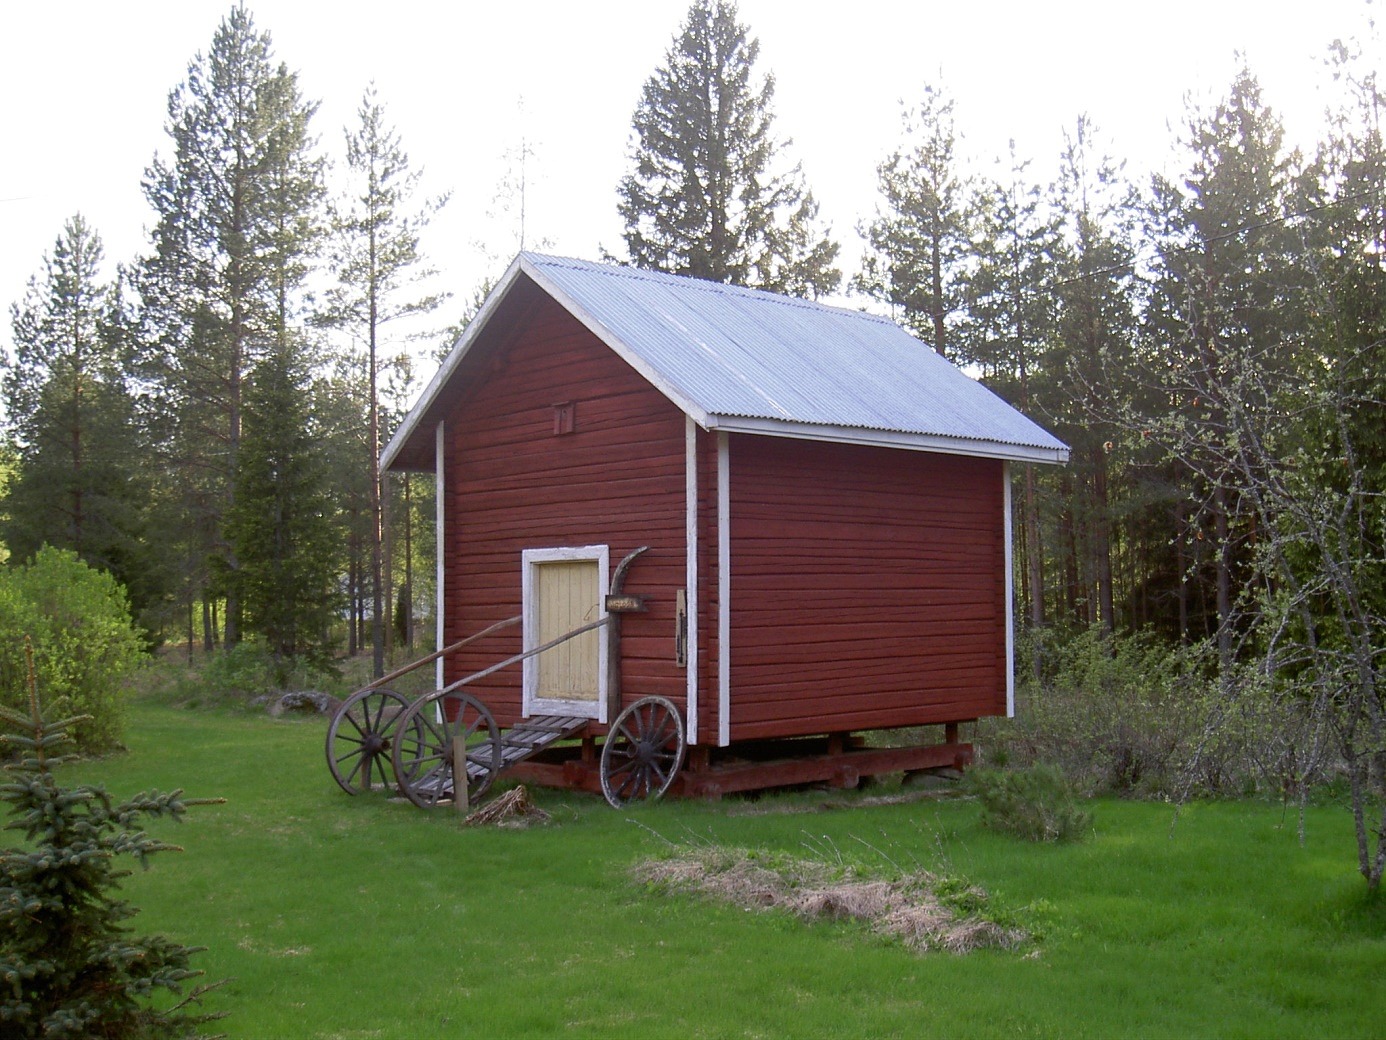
<point x="628" y="785"/>
<point x="423" y="753"/>
<point x="664" y="774"/>
<point x="361" y="760"/>
<point x="380" y="720"/>
<point x="359" y="737"/>
<point x="643" y="751"/>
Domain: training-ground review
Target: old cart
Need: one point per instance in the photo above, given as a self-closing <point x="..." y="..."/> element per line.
<point x="379" y="739"/>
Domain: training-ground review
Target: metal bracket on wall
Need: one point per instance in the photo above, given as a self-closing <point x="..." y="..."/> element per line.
<point x="681" y="628"/>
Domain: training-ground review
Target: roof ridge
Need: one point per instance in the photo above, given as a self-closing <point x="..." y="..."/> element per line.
<point x="694" y="283"/>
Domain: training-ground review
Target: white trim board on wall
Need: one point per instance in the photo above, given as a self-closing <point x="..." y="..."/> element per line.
<point x="439" y="534"/>
<point x="723" y="591"/>
<point x="690" y="474"/>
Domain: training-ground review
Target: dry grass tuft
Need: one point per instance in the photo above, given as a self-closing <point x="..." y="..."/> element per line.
<point x="908" y="908"/>
<point x="515" y="808"/>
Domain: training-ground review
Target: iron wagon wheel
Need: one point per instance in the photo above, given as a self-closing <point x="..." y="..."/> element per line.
<point x="643" y="752"/>
<point x="424" y="748"/>
<point x="359" y="738"/>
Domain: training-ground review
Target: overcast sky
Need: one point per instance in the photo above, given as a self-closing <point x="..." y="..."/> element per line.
<point x="85" y="85"/>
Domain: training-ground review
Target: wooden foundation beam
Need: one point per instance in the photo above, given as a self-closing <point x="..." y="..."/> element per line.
<point x="842" y="764"/>
<point x="844" y="769"/>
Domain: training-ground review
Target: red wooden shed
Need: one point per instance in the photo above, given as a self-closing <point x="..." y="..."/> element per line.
<point x="824" y="501"/>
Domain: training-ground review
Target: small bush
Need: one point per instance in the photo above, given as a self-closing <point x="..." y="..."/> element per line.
<point x="1133" y="715"/>
<point x="1037" y="804"/>
<point x="1115" y="713"/>
<point x="69" y="965"/>
<point x="246" y="674"/>
<point x="85" y="644"/>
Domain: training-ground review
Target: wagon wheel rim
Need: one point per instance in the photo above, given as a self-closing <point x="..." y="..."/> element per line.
<point x="643" y="752"/>
<point x="422" y="751"/>
<point x="359" y="740"/>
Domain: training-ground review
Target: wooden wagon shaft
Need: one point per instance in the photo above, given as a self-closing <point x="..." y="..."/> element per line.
<point x="392" y="676"/>
<point x="599" y="623"/>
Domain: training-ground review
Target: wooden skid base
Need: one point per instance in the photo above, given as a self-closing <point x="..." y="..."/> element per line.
<point x="756" y="768"/>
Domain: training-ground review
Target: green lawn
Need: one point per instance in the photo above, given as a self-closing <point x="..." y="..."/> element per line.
<point x="354" y="917"/>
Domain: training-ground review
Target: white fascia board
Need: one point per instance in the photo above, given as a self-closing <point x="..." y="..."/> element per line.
<point x="887" y="439"/>
<point x="651" y="375"/>
<point x="460" y="349"/>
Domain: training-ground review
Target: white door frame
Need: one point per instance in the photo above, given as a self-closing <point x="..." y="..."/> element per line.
<point x="531" y="560"/>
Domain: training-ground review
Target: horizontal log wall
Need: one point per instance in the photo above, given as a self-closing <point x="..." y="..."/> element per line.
<point x="512" y="483"/>
<point x="867" y="590"/>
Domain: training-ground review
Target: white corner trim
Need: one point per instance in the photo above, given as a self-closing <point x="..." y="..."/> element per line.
<point x="1010" y="590"/>
<point x="690" y="479"/>
<point x="723" y="592"/>
<point x="439" y="545"/>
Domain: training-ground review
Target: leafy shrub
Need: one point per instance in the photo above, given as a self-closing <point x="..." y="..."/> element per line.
<point x="243" y="675"/>
<point x="1132" y="715"/>
<point x="251" y="669"/>
<point x="85" y="645"/>
<point x="1037" y="804"/>
<point x="68" y="966"/>
<point x="1117" y="713"/>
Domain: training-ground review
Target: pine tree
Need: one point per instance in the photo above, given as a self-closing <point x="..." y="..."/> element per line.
<point x="379" y="262"/>
<point x="1095" y="287"/>
<point x="1009" y="325"/>
<point x="1224" y="296"/>
<point x="340" y="414"/>
<point x="706" y="197"/>
<point x="280" y="524"/>
<point x="236" y="209"/>
<point x="80" y="482"/>
<point x="920" y="239"/>
<point x="69" y="966"/>
<point x="1348" y="319"/>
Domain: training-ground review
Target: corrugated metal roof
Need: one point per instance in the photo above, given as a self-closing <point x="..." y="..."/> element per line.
<point x="733" y="352"/>
<point x="744" y="360"/>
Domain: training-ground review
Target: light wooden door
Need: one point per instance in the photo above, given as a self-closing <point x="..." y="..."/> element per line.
<point x="565" y="590"/>
<point x="568" y="599"/>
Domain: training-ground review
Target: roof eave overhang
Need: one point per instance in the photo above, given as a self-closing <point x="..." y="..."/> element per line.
<point x="974" y="447"/>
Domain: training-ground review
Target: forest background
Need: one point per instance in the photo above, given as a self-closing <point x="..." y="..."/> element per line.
<point x="203" y="424"/>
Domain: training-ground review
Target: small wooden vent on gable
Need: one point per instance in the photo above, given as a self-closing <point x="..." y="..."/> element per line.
<point x="564" y="418"/>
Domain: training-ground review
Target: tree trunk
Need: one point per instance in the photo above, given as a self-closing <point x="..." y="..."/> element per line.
<point x="1224" y="581"/>
<point x="387" y="550"/>
<point x="377" y="561"/>
<point x="1102" y="541"/>
<point x="1034" y="561"/>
